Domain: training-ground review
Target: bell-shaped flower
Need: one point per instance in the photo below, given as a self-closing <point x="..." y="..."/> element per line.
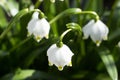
<point x="38" y="27"/>
<point x="59" y="56"/>
<point x="97" y="31"/>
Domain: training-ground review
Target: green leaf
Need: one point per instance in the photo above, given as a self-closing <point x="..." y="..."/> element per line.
<point x="30" y="75"/>
<point x="24" y="4"/>
<point x="3" y="21"/>
<point x="30" y="58"/>
<point x="114" y="34"/>
<point x="70" y="11"/>
<point x="109" y="63"/>
<point x="13" y="21"/>
<point x="94" y="5"/>
<point x="22" y="74"/>
<point x="114" y="20"/>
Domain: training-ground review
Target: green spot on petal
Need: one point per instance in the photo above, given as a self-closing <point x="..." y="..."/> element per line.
<point x="60" y="68"/>
<point x="38" y="38"/>
<point x="98" y="43"/>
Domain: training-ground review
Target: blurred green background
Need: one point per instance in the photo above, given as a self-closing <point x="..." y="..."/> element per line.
<point x="22" y="58"/>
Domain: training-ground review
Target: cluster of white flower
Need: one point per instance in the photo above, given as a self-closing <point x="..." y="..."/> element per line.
<point x="61" y="56"/>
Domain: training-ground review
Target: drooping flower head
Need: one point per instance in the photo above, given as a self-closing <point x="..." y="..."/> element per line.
<point x="38" y="27"/>
<point x="59" y="56"/>
<point x="97" y="31"/>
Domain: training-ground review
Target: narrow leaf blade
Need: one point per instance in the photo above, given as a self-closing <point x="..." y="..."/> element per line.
<point x="109" y="63"/>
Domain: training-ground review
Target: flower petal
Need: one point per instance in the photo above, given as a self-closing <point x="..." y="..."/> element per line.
<point x="38" y="27"/>
<point x="86" y="29"/>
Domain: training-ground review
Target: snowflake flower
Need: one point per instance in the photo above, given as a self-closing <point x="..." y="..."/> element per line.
<point x="97" y="31"/>
<point x="38" y="27"/>
<point x="59" y="56"/>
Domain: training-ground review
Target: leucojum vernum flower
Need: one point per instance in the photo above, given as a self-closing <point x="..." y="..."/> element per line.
<point x="97" y="31"/>
<point x="38" y="27"/>
<point x="59" y="56"/>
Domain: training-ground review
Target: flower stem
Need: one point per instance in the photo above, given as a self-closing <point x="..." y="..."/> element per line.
<point x="66" y="13"/>
<point x="73" y="11"/>
<point x="92" y="13"/>
<point x="64" y="33"/>
<point x="13" y="21"/>
<point x="60" y="43"/>
<point x="21" y="43"/>
<point x="37" y="4"/>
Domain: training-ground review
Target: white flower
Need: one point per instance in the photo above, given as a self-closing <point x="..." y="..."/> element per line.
<point x="2" y="2"/>
<point x="59" y="56"/>
<point x="38" y="27"/>
<point x="9" y="6"/>
<point x="97" y="31"/>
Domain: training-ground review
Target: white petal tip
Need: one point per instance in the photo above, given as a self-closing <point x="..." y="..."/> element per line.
<point x="46" y="36"/>
<point x="97" y="45"/>
<point x="105" y="38"/>
<point x="50" y="64"/>
<point x="70" y="64"/>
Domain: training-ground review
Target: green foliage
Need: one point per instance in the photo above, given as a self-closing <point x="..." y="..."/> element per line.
<point x="22" y="58"/>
